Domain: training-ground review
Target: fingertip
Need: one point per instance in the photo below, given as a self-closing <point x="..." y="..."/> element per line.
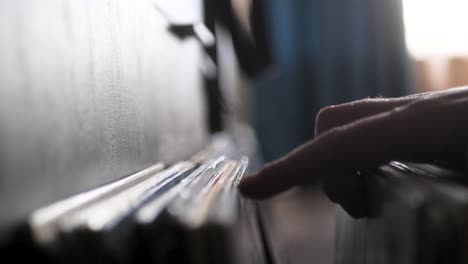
<point x="294" y="169"/>
<point x="266" y="183"/>
<point x="245" y="183"/>
<point x="250" y="188"/>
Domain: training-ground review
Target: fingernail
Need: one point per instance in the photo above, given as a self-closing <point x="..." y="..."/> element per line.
<point x="245" y="185"/>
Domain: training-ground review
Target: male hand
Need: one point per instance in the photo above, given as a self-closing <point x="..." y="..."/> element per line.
<point x="363" y="135"/>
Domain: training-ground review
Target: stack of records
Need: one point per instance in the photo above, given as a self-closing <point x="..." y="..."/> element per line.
<point x="189" y="212"/>
<point x="419" y="215"/>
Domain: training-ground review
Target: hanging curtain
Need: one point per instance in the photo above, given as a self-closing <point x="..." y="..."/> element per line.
<point x="327" y="52"/>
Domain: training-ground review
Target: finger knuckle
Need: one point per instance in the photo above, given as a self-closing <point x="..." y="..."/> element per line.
<point x="334" y="115"/>
<point x="325" y="117"/>
<point x="326" y="112"/>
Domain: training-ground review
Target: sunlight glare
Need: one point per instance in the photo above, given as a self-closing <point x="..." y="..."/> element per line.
<point x="436" y="27"/>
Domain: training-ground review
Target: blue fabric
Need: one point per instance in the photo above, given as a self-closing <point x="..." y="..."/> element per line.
<point x="327" y="52"/>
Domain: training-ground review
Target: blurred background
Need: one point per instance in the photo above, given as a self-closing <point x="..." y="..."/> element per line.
<point x="330" y="52"/>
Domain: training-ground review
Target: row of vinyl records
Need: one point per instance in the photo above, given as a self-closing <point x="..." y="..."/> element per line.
<point x="418" y="214"/>
<point x="189" y="212"/>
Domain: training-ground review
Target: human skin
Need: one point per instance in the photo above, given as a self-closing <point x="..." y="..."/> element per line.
<point x="364" y="134"/>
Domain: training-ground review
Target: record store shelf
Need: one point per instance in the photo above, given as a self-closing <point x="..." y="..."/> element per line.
<point x="188" y="212"/>
<point x="418" y="213"/>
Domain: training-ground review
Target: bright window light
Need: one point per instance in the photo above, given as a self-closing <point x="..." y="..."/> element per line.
<point x="436" y="27"/>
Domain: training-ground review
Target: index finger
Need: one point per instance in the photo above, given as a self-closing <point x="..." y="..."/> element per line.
<point x="413" y="132"/>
